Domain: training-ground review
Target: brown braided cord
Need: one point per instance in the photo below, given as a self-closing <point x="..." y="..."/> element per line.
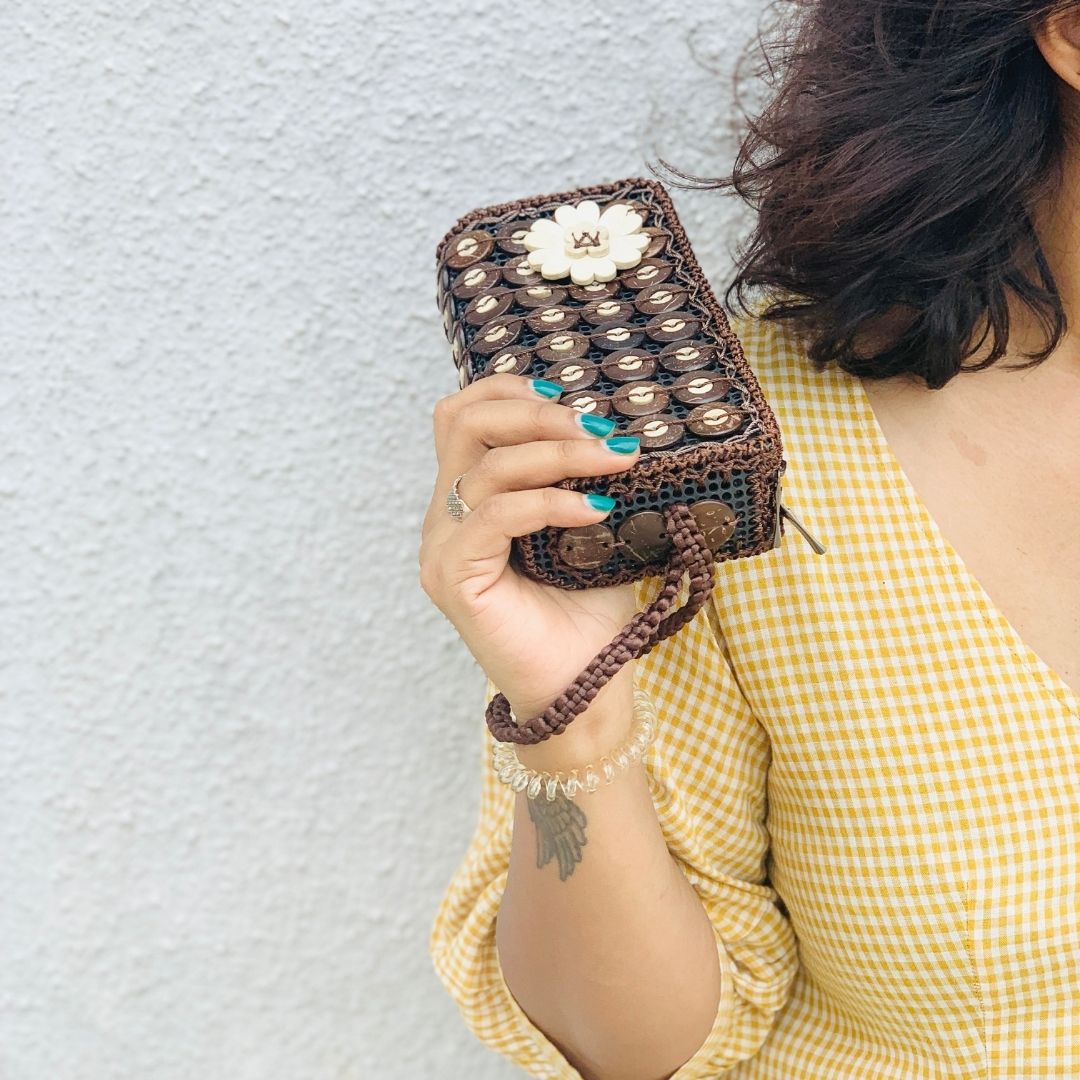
<point x="645" y="630"/>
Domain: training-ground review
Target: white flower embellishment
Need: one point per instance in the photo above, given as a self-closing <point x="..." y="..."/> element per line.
<point x="587" y="245"/>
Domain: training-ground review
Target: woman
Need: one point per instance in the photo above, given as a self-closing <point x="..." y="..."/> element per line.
<point x="854" y="848"/>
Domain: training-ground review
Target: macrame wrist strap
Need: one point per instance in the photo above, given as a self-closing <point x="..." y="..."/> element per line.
<point x="646" y="629"/>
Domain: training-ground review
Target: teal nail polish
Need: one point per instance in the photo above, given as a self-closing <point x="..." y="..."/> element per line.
<point x="623" y="444"/>
<point x="596" y="425"/>
<point x="545" y="388"/>
<point x="599" y="502"/>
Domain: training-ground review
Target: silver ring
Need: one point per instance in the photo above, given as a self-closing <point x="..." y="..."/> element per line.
<point x="455" y="503"/>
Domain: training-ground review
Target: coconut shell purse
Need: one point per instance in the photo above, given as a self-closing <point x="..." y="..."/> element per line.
<point x="598" y="289"/>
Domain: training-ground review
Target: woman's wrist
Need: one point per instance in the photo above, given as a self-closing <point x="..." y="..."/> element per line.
<point x="583" y="776"/>
<point x="594" y="732"/>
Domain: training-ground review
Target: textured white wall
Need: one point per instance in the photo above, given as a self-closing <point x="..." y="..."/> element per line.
<point x="239" y="749"/>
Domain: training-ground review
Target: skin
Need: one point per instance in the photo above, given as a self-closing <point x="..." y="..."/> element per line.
<point x="994" y="454"/>
<point x="601" y="938"/>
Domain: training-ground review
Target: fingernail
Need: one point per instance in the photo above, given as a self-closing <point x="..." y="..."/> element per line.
<point x="600" y="502"/>
<point x="545" y="388"/>
<point x="623" y="444"/>
<point x="595" y="425"/>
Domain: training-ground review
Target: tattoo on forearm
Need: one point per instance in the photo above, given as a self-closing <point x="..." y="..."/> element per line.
<point x="560" y="832"/>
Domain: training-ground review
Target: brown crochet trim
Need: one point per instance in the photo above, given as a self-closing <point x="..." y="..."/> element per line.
<point x="646" y="629"/>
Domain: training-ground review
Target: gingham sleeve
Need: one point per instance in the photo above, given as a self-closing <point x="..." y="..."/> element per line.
<point x="707" y="770"/>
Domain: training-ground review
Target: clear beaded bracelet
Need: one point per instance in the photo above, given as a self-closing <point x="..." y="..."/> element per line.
<point x="512" y="772"/>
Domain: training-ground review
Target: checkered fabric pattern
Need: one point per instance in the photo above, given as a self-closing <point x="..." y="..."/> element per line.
<point x="870" y="780"/>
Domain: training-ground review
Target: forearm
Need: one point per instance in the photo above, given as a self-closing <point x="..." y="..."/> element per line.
<point x="615" y="962"/>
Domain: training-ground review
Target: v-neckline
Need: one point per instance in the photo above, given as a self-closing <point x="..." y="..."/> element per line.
<point x="1070" y="697"/>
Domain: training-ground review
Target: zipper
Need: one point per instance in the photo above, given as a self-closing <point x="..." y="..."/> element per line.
<point x="783" y="512"/>
<point x="815" y="544"/>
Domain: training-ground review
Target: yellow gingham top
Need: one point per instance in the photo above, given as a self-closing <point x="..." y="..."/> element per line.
<point x="863" y="737"/>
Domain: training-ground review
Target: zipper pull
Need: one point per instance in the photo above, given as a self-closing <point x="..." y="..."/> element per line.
<point x="815" y="544"/>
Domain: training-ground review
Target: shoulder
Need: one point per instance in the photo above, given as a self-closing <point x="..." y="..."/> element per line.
<point x="775" y="340"/>
<point x="808" y="401"/>
<point x="774" y="349"/>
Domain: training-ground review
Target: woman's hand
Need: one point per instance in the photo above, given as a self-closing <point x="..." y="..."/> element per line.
<point x="509" y="444"/>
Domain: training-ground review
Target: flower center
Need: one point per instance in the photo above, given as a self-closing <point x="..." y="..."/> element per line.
<point x="586" y="240"/>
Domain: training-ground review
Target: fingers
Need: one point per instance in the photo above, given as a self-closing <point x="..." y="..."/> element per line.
<point x="500" y="411"/>
<point x="518" y="466"/>
<point x="510" y="446"/>
<point x="480" y="545"/>
<point x="494" y="411"/>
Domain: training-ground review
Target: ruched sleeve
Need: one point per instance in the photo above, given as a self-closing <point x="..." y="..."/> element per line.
<point x="707" y="769"/>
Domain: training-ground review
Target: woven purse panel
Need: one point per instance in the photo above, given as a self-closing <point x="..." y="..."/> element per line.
<point x="656" y="326"/>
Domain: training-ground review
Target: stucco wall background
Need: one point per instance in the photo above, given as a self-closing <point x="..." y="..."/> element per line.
<point x="239" y="748"/>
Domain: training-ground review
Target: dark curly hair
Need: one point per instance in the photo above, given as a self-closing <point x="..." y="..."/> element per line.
<point x="893" y="172"/>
